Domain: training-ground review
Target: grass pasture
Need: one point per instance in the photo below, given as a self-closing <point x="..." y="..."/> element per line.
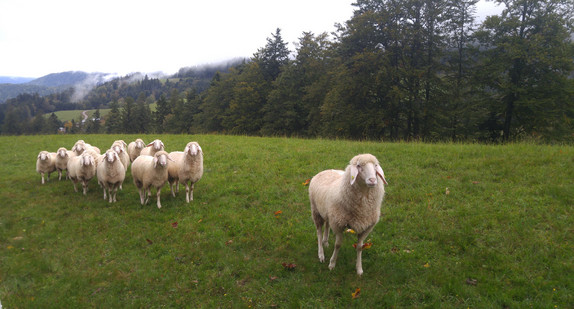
<point x="502" y="237"/>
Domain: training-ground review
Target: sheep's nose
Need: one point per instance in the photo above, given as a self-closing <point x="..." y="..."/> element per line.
<point x="372" y="181"/>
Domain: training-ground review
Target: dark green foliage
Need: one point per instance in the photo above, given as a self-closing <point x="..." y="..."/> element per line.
<point x="396" y="70"/>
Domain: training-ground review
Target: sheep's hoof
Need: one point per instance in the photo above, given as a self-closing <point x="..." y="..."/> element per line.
<point x="359" y="272"/>
<point x="331" y="266"/>
<point x="322" y="259"/>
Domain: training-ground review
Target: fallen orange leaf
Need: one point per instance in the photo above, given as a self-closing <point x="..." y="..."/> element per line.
<point x="427" y="265"/>
<point x="350" y="231"/>
<point x="174" y="225"/>
<point x="366" y="245"/>
<point x="307" y="181"/>
<point x="355" y="294"/>
<point x="289" y="266"/>
<point x="278" y="212"/>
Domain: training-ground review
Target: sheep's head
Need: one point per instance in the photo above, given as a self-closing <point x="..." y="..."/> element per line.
<point x="157" y="145"/>
<point x="87" y="160"/>
<point x="62" y="152"/>
<point x="43" y="155"/>
<point x="161" y="158"/>
<point x="367" y="168"/>
<point x="118" y="148"/>
<point x="111" y="156"/>
<point x="192" y="148"/>
<point x="79" y="147"/>
<point x="120" y="142"/>
<point x="139" y="144"/>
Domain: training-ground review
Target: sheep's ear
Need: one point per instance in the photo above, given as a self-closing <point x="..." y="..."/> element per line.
<point x="381" y="174"/>
<point x="149" y="144"/>
<point x="354" y="173"/>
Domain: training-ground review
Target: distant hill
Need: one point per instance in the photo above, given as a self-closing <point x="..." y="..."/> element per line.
<point x="48" y="84"/>
<point x="14" y="80"/>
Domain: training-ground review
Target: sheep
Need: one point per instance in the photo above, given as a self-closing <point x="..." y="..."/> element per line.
<point x="120" y="148"/>
<point x="62" y="157"/>
<point x="156" y="145"/>
<point x="135" y="148"/>
<point x="46" y="164"/>
<point x="80" y="146"/>
<point x="347" y="199"/>
<point x="150" y="171"/>
<point x="81" y="168"/>
<point x="111" y="174"/>
<point x="187" y="168"/>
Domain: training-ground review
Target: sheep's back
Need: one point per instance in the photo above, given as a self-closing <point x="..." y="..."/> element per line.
<point x="173" y="167"/>
<point x="323" y="189"/>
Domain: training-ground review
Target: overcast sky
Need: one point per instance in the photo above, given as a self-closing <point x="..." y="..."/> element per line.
<point x="39" y="37"/>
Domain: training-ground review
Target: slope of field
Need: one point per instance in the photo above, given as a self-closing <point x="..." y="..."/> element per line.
<point x="462" y="226"/>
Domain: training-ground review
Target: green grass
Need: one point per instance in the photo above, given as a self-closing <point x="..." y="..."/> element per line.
<point x="76" y="115"/>
<point x="502" y="237"/>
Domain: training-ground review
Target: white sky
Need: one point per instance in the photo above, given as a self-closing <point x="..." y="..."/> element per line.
<point x="39" y="37"/>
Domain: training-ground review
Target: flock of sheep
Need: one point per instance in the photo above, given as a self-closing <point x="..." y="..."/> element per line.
<point x="340" y="200"/>
<point x="149" y="167"/>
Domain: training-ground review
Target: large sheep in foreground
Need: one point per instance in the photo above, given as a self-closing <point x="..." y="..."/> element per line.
<point x="152" y="148"/>
<point x="46" y="164"/>
<point x="347" y="199"/>
<point x="62" y="157"/>
<point x="135" y="148"/>
<point x="82" y="169"/>
<point x="111" y="174"/>
<point x="148" y="171"/>
<point x="187" y="168"/>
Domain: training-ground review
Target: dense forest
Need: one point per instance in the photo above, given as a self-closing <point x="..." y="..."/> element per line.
<point x="396" y="70"/>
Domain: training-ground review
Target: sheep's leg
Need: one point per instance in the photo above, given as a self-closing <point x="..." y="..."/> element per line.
<point x="188" y="192"/>
<point x="114" y="192"/>
<point x="85" y="187"/>
<point x="338" y="243"/>
<point x="42" y="177"/>
<point x="320" y="252"/>
<point x="326" y="234"/>
<point x="74" y="183"/>
<point x="158" y="201"/>
<point x="172" y="187"/>
<point x="105" y="196"/>
<point x="142" y="195"/>
<point x="360" y="240"/>
<point x="59" y="175"/>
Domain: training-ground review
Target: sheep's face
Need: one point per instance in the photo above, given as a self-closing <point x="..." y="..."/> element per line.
<point x="161" y="158"/>
<point x="79" y="147"/>
<point x="111" y="156"/>
<point x="140" y="144"/>
<point x="118" y="148"/>
<point x="367" y="168"/>
<point x="192" y="148"/>
<point x="62" y="152"/>
<point x="87" y="160"/>
<point x="157" y="145"/>
<point x="43" y="155"/>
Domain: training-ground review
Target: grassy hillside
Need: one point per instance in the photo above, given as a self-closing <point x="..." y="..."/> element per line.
<point x="462" y="226"/>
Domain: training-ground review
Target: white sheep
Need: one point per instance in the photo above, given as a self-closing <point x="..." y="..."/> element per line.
<point x="187" y="169"/>
<point x="135" y="148"/>
<point x="111" y="174"/>
<point x="347" y="199"/>
<point x="81" y="168"/>
<point x="62" y="157"/>
<point x="152" y="148"/>
<point x="120" y="148"/>
<point x="46" y="164"/>
<point x="148" y="171"/>
<point x="80" y="146"/>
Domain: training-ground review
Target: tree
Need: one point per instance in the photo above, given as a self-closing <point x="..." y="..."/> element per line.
<point x="114" y="122"/>
<point x="53" y="124"/>
<point x="273" y="56"/>
<point x="163" y="109"/>
<point x="527" y="62"/>
<point x="128" y="124"/>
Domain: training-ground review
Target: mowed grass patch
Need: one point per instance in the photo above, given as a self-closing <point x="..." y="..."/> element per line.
<point x="463" y="225"/>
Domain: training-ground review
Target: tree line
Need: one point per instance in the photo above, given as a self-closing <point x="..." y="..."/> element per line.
<point x="396" y="70"/>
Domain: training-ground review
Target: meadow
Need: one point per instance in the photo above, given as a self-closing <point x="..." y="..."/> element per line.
<point x="462" y="226"/>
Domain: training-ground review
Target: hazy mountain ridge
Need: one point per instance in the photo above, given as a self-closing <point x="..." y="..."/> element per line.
<point x="46" y="85"/>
